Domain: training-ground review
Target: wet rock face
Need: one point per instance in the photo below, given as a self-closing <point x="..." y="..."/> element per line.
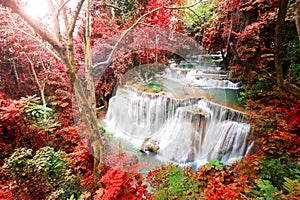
<point x="149" y="145"/>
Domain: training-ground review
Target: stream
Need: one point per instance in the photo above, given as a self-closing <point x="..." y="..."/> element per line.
<point x="188" y="111"/>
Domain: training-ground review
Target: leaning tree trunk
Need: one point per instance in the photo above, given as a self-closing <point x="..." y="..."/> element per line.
<point x="297" y="17"/>
<point x="278" y="40"/>
<point x="98" y="142"/>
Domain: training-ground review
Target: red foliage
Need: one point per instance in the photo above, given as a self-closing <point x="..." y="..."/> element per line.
<point x="81" y="162"/>
<point x="277" y="125"/>
<point x="5" y="190"/>
<point x="15" y="130"/>
<point x="229" y="182"/>
<point x="163" y="18"/>
<point x="119" y="184"/>
<point x="247" y="24"/>
<point x="121" y="179"/>
<point x="132" y="51"/>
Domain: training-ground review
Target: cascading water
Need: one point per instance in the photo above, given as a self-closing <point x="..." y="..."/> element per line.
<point x="182" y="117"/>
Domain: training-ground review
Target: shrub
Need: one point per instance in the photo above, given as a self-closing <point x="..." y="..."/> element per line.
<point x="44" y="174"/>
<point x="170" y="182"/>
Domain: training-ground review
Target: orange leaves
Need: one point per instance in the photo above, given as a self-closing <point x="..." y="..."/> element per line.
<point x="119" y="184"/>
<point x="276" y="122"/>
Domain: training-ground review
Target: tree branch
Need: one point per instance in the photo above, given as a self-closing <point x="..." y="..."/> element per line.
<point x="74" y="18"/>
<point x="282" y="10"/>
<point x="35" y="38"/>
<point x="112" y="6"/>
<point x="297" y="17"/>
<point x="124" y="34"/>
<point x="64" y="13"/>
<point x="36" y="26"/>
<point x="55" y="21"/>
<point x="107" y="61"/>
<point x="62" y="5"/>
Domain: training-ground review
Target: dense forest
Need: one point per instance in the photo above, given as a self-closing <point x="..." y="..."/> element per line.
<point x="59" y="70"/>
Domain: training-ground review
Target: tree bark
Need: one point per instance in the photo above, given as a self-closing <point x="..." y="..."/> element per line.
<point x="297" y="17"/>
<point x="278" y="40"/>
<point x="98" y="145"/>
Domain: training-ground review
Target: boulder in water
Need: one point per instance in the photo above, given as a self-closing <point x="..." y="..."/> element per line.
<point x="149" y="145"/>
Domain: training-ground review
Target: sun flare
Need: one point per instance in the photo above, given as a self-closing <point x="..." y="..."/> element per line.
<point x="37" y="8"/>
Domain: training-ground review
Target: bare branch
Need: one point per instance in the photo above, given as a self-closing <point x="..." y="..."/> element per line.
<point x="34" y="37"/>
<point x="112" y="6"/>
<point x="145" y="24"/>
<point x="15" y="72"/>
<point x="297" y="17"/>
<point x="62" y="5"/>
<point x="74" y="18"/>
<point x="34" y="73"/>
<point x="55" y="21"/>
<point x="190" y="9"/>
<point x="34" y="24"/>
<point x="124" y="34"/>
<point x="136" y="23"/>
<point x="64" y="13"/>
<point x="184" y="7"/>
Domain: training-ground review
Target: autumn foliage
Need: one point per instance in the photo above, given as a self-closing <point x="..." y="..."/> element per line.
<point x="44" y="155"/>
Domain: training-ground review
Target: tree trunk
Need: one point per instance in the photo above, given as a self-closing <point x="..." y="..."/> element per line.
<point x="297" y="17"/>
<point x="98" y="145"/>
<point x="88" y="116"/>
<point x="278" y="40"/>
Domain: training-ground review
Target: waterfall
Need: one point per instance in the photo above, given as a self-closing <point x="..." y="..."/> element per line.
<point x="187" y="130"/>
<point x="200" y="133"/>
<point x="187" y="124"/>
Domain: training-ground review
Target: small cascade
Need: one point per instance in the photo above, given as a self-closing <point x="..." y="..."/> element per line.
<point x="200" y="134"/>
<point x="186" y="123"/>
<point x="197" y="78"/>
<point x="141" y="115"/>
<point x="205" y="77"/>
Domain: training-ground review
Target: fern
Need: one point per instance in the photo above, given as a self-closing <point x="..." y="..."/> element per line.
<point x="291" y="185"/>
<point x="266" y="190"/>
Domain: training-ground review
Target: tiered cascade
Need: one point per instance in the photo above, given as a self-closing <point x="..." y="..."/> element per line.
<point x="181" y="118"/>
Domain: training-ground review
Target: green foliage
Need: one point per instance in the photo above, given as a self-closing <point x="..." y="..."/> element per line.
<point x="154" y="86"/>
<point x="292" y="185"/>
<point x="294" y="73"/>
<point x="170" y="182"/>
<point x="49" y="163"/>
<point x="199" y="14"/>
<point x="107" y="135"/>
<point x="41" y="116"/>
<point x="18" y="162"/>
<point x="275" y="170"/>
<point x="217" y="164"/>
<point x="265" y="190"/>
<point x="259" y="90"/>
<point x="276" y="177"/>
<point x="242" y="97"/>
<point x="128" y="9"/>
<point x="46" y="171"/>
<point x="291" y="55"/>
